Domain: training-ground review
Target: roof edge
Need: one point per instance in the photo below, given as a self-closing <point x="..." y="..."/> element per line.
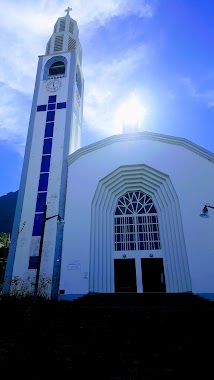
<point x="139" y="136"/>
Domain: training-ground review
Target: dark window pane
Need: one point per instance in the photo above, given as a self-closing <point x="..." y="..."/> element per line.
<point x="33" y="262"/>
<point x="43" y="182"/>
<point x="52" y="99"/>
<point x="154" y="219"/>
<point x="49" y="129"/>
<point x="122" y="208"/>
<point x="42" y="108"/>
<point x="50" y="116"/>
<point x="47" y="146"/>
<point x="145" y="237"/>
<point x="61" y="105"/>
<point x="45" y="165"/>
<point x="132" y="246"/>
<point x="130" y="209"/>
<point x="57" y="68"/>
<point x="131" y="228"/>
<point x="41" y="202"/>
<point x="51" y="106"/>
<point x="139" y="206"/>
<point x="37" y="227"/>
<point x="134" y="205"/>
<point x="152" y="209"/>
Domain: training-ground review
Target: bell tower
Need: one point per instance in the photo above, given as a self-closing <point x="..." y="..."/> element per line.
<point x="54" y="132"/>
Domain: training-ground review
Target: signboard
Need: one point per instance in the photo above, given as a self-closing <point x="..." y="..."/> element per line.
<point x="74" y="265"/>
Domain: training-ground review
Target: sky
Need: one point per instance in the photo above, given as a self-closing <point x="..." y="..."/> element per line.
<point x="152" y="56"/>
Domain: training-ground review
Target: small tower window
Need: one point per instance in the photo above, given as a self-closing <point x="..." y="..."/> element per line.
<point x="62" y="25"/>
<point x="58" y="68"/>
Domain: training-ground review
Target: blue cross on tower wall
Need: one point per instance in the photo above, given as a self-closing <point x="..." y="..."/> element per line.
<point x="50" y="108"/>
<point x="52" y="105"/>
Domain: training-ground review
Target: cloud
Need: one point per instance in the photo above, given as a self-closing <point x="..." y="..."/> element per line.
<point x="206" y="95"/>
<point x="14" y="116"/>
<point x="26" y="26"/>
<point x="101" y="11"/>
<point x="112" y="86"/>
<point x="29" y="27"/>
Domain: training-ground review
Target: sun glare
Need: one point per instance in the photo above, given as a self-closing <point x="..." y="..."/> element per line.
<point x="130" y="115"/>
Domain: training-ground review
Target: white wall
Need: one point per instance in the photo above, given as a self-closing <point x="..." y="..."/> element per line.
<point x="28" y="245"/>
<point x="192" y="178"/>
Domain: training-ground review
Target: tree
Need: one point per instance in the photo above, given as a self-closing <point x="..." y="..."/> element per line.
<point x="4" y="248"/>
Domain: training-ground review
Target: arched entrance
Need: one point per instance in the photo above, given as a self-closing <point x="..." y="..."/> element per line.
<point x="136" y="231"/>
<point x="171" y="251"/>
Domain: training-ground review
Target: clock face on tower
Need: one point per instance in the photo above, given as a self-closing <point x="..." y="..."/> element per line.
<point x="53" y="85"/>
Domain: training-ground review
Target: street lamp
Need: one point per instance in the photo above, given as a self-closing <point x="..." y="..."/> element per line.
<point x="44" y="220"/>
<point x="205" y="212"/>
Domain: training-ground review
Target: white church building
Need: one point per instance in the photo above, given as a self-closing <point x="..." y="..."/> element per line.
<point x="119" y="215"/>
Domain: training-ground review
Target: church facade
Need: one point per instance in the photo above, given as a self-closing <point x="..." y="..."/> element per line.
<point x="119" y="215"/>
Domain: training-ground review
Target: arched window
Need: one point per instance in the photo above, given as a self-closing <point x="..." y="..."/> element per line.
<point x="56" y="65"/>
<point x="57" y="68"/>
<point x="136" y="223"/>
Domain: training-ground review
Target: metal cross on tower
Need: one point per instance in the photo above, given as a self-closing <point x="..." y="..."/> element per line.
<point x="68" y="10"/>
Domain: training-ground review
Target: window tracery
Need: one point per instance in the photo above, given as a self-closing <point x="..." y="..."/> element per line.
<point x="136" y="223"/>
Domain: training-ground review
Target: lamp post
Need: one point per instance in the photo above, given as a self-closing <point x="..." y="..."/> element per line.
<point x="44" y="220"/>
<point x="205" y="212"/>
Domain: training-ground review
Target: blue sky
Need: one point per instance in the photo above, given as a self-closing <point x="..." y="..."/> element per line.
<point x="158" y="52"/>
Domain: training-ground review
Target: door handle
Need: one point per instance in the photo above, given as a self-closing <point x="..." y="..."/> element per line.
<point x="162" y="278"/>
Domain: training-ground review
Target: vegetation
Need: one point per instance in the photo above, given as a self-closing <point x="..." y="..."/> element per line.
<point x="4" y="248"/>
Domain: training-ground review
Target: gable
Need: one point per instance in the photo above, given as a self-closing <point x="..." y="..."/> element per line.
<point x="149" y="136"/>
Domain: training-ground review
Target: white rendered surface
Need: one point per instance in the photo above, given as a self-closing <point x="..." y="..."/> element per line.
<point x="186" y="172"/>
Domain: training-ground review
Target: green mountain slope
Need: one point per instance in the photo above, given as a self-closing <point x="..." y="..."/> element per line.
<point x="7" y="211"/>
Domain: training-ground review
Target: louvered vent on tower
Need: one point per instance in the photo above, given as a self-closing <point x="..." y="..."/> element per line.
<point x="71" y="44"/>
<point x="58" y="43"/>
<point x="71" y="27"/>
<point x="62" y="26"/>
